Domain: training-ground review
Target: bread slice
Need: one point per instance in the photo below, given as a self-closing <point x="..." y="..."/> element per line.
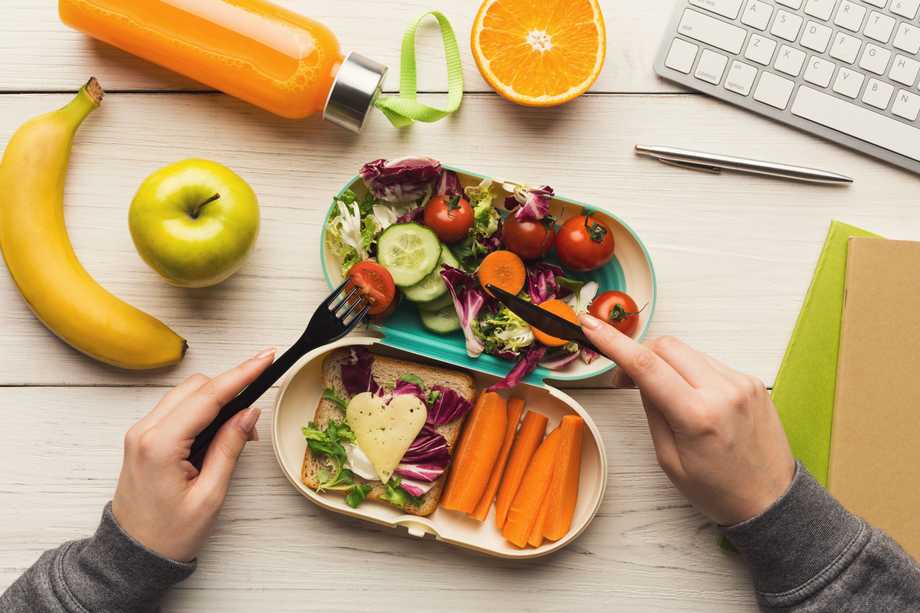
<point x="386" y="372"/>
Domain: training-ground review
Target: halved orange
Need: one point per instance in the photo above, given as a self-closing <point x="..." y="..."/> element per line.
<point x="539" y="52"/>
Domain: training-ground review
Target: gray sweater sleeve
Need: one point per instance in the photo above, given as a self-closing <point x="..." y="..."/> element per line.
<point x="107" y="573"/>
<point x="808" y="554"/>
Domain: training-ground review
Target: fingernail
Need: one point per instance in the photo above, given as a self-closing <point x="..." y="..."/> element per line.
<point x="264" y="354"/>
<point x="248" y="420"/>
<point x="589" y="321"/>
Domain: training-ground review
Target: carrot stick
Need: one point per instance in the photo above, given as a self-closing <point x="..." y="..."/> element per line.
<point x="536" y="533"/>
<point x="515" y="408"/>
<point x="476" y="454"/>
<point x="526" y="506"/>
<point x="563" y="490"/>
<point x="528" y="439"/>
<point x="503" y="269"/>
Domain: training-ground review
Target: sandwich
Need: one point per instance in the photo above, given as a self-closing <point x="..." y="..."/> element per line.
<point x="385" y="429"/>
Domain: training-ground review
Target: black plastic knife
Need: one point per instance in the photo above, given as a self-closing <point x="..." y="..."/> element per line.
<point x="541" y="319"/>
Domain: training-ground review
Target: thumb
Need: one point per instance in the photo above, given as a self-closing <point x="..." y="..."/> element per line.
<point x="222" y="456"/>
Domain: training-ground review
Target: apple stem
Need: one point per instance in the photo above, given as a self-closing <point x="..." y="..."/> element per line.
<point x="197" y="210"/>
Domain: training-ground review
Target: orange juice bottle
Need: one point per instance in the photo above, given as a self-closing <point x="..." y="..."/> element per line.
<point x="251" y="49"/>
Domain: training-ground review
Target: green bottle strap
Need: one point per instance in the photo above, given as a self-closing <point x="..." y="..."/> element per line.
<point x="404" y="109"/>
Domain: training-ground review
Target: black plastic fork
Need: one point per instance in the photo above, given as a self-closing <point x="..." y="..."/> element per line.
<point x="335" y="317"/>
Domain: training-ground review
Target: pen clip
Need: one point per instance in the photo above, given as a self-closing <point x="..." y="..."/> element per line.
<point x="713" y="170"/>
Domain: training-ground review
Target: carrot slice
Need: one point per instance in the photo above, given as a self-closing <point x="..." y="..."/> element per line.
<point x="476" y="455"/>
<point x="503" y="269"/>
<point x="526" y="506"/>
<point x="563" y="310"/>
<point x="563" y="490"/>
<point x="515" y="408"/>
<point x="528" y="439"/>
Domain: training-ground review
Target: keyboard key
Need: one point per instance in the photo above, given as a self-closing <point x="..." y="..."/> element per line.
<point x="789" y="60"/>
<point x="821" y="9"/>
<point x="905" y="8"/>
<point x="879" y="27"/>
<point x="757" y="14"/>
<point x="906" y="105"/>
<point x="850" y="15"/>
<point x="845" y="47"/>
<point x="793" y="4"/>
<point x="774" y="90"/>
<point x="681" y="56"/>
<point x="760" y="49"/>
<point x="858" y="122"/>
<point x="907" y="38"/>
<point x="712" y="31"/>
<point x="726" y="8"/>
<point x="875" y="59"/>
<point x="904" y="70"/>
<point x="740" y="78"/>
<point x="878" y="94"/>
<point x="819" y="71"/>
<point x="879" y="3"/>
<point x="848" y="82"/>
<point x="786" y="25"/>
<point x="816" y="37"/>
<point x="710" y="67"/>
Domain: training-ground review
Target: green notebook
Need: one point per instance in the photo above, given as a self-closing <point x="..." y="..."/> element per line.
<point x="806" y="382"/>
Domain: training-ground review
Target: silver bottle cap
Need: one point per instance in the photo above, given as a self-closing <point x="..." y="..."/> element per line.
<point x="357" y="85"/>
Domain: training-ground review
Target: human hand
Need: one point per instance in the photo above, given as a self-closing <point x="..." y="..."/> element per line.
<point x="161" y="500"/>
<point x="716" y="432"/>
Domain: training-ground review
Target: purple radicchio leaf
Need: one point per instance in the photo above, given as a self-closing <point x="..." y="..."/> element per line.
<point x="588" y="355"/>
<point x="530" y="203"/>
<point x="414" y="487"/>
<point x="403" y="180"/>
<point x="468" y="300"/>
<point x="356" y="372"/>
<point x="427" y="457"/>
<point x="559" y="360"/>
<point x="449" y="406"/>
<point x="409" y="388"/>
<point x="449" y="184"/>
<point x="524" y="367"/>
<point x="541" y="282"/>
<point x="413" y="215"/>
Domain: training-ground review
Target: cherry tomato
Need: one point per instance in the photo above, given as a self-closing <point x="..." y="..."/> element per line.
<point x="531" y="240"/>
<point x="451" y="217"/>
<point x="584" y="243"/>
<point x="376" y="283"/>
<point x="617" y="309"/>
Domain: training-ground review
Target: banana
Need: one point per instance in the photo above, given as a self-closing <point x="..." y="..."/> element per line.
<point x="42" y="262"/>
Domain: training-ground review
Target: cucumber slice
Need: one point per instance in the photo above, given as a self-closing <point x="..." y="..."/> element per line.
<point x="409" y="251"/>
<point x="442" y="321"/>
<point x="437" y="304"/>
<point x="432" y="286"/>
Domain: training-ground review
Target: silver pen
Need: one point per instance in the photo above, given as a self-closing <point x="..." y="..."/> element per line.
<point x="715" y="163"/>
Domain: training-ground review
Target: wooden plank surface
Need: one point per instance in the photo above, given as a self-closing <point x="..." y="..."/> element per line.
<point x="42" y="54"/>
<point x="733" y="256"/>
<point x="646" y="551"/>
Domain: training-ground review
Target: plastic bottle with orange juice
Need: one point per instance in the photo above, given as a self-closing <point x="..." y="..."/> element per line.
<point x="259" y="52"/>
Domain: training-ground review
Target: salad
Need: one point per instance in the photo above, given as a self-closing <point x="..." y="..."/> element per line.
<point x="419" y="233"/>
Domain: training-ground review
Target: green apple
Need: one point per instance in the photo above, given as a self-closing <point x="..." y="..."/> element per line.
<point x="194" y="222"/>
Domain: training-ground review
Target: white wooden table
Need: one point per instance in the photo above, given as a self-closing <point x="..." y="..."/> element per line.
<point x="733" y="254"/>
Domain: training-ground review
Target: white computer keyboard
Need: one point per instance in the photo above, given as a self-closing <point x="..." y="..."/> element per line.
<point x="846" y="70"/>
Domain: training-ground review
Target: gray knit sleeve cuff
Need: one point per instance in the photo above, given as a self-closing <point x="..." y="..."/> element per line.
<point x="112" y="567"/>
<point x="800" y="544"/>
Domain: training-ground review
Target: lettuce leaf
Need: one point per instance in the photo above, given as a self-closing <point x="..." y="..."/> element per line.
<point x="327" y="442"/>
<point x="503" y="333"/>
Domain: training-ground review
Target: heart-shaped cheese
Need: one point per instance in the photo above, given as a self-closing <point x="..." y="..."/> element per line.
<point x="385" y="431"/>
